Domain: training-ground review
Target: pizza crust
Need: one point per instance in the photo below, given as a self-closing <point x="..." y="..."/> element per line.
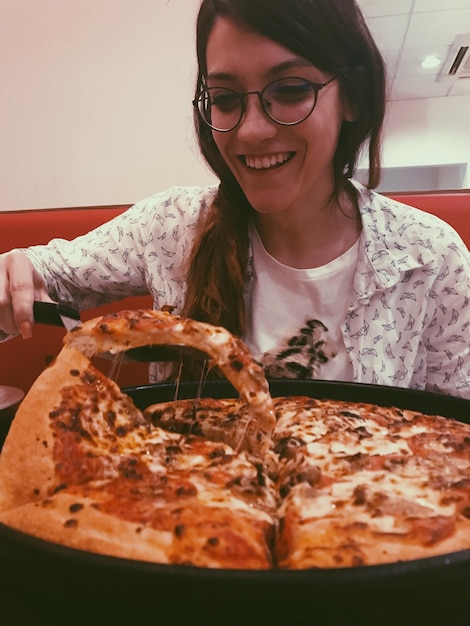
<point x="27" y="470"/>
<point x="51" y="519"/>
<point x="195" y="537"/>
<point x="332" y="543"/>
<point x="119" y="332"/>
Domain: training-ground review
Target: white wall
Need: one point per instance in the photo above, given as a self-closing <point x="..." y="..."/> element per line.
<point x="432" y="131"/>
<point x="95" y="101"/>
<point x="95" y="104"/>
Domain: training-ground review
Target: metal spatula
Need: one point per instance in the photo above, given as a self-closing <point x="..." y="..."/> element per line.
<point x="58" y="314"/>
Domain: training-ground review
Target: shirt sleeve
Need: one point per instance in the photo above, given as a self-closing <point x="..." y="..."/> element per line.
<point x="446" y="332"/>
<point x="94" y="268"/>
<point x="132" y="254"/>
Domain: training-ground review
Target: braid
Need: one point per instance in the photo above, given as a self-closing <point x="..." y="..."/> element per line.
<point x="217" y="269"/>
<point x="217" y="266"/>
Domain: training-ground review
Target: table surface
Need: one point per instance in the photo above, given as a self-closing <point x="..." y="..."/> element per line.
<point x="9" y="396"/>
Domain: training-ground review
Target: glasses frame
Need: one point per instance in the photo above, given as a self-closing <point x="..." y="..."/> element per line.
<point x="242" y="96"/>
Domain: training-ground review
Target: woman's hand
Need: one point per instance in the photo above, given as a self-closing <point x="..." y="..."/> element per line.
<point x="20" y="285"/>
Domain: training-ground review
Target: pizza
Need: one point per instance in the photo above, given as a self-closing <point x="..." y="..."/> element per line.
<point x="251" y="482"/>
<point x="355" y="483"/>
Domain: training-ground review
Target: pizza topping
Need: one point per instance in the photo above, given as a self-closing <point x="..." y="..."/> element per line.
<point x="431" y="530"/>
<point x="71" y="523"/>
<point x="288" y="447"/>
<point x="218" y="420"/>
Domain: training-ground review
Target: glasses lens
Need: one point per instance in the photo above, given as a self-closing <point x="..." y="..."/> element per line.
<point x="220" y="108"/>
<point x="289" y="100"/>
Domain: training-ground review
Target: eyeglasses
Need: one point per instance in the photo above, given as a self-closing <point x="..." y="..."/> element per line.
<point x="286" y="101"/>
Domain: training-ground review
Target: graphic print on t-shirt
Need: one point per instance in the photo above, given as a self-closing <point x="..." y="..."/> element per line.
<point x="301" y="354"/>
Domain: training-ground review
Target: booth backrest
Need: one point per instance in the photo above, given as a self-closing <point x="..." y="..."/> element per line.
<point x="451" y="206"/>
<point x="22" y="361"/>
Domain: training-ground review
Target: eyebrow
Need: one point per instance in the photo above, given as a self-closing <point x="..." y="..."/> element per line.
<point x="276" y="69"/>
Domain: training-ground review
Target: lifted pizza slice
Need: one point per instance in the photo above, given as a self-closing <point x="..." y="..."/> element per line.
<point x="84" y="467"/>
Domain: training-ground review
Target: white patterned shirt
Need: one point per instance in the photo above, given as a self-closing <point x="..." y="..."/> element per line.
<point x="408" y="322"/>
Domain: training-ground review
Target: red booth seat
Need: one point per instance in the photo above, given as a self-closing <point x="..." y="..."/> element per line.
<point x="21" y="361"/>
<point x="451" y="206"/>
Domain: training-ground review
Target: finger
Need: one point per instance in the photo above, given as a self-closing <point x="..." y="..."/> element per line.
<point x="24" y="282"/>
<point x="40" y="292"/>
<point x="7" y="321"/>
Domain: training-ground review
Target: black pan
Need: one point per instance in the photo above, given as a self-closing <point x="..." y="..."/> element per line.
<point x="48" y="585"/>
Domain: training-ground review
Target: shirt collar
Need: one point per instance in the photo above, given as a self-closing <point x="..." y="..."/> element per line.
<point x="385" y="254"/>
<point x="393" y="241"/>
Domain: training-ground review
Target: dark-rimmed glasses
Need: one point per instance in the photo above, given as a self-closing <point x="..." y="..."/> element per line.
<point x="286" y="101"/>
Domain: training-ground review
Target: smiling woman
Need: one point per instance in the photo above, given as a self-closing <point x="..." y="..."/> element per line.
<point x="286" y="169"/>
<point x="318" y="274"/>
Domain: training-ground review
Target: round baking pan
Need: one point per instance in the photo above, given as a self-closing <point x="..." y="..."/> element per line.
<point x="45" y="584"/>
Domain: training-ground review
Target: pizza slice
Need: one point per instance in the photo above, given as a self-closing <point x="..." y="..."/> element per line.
<point x="82" y="466"/>
<point x="362" y="484"/>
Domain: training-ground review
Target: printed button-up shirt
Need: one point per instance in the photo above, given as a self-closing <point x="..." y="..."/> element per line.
<point x="408" y="324"/>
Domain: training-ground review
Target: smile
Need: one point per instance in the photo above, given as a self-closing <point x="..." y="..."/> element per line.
<point x="266" y="162"/>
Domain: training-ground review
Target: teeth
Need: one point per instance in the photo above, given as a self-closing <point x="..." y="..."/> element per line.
<point x="265" y="162"/>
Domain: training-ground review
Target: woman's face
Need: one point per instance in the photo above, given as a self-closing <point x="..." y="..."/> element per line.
<point x="280" y="168"/>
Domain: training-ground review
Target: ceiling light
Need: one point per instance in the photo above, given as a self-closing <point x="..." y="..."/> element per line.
<point x="430" y="61"/>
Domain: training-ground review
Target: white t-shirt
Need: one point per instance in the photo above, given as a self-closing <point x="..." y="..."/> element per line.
<point x="300" y="312"/>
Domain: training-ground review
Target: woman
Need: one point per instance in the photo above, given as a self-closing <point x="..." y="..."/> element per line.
<point x="320" y="276"/>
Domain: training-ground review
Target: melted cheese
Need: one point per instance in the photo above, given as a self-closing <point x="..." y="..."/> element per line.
<point x="350" y="453"/>
<point x="329" y="500"/>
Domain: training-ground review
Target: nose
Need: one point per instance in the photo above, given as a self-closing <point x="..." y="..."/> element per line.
<point x="255" y="125"/>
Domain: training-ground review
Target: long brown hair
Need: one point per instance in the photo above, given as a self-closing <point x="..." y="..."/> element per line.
<point x="332" y="35"/>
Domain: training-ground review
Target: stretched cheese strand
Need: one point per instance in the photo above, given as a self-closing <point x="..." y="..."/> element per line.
<point x="131" y="329"/>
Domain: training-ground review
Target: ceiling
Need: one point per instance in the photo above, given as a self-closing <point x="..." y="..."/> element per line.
<point x="407" y="31"/>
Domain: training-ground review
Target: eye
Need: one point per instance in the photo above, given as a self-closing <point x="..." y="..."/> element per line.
<point x="290" y="90"/>
<point x="224" y="100"/>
